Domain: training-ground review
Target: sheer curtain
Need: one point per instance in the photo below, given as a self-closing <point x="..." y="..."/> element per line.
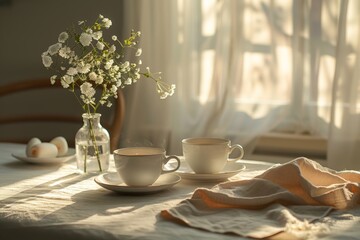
<point x="244" y="68"/>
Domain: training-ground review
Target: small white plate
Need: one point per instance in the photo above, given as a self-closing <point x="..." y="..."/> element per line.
<point x="54" y="160"/>
<point x="230" y="169"/>
<point x="112" y="181"/>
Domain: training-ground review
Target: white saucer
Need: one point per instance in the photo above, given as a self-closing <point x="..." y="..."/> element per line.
<point x="230" y="169"/>
<point x="54" y="160"/>
<point x="112" y="181"/>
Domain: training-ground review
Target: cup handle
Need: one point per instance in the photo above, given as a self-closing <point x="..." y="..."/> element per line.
<point x="167" y="160"/>
<point x="236" y="146"/>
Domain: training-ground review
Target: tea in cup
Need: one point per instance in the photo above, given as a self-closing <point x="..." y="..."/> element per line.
<point x="208" y="155"/>
<point x="142" y="166"/>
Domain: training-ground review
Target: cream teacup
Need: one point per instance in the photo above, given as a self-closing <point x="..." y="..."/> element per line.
<point x="141" y="166"/>
<point x="209" y="155"/>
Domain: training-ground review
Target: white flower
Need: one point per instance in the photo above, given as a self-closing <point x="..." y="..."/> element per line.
<point x="101" y="16"/>
<point x="47" y="60"/>
<point x="85" y="39"/>
<point x="126" y="64"/>
<point x="83" y="67"/>
<point x="66" y="80"/>
<point x="164" y="95"/>
<point x="118" y="83"/>
<point x="69" y="79"/>
<point x="107" y="22"/>
<point x="53" y="79"/>
<point x="53" y="49"/>
<point x="87" y="89"/>
<point x="92" y="76"/>
<point x="108" y="64"/>
<point x="65" y="52"/>
<point x="112" y="49"/>
<point x="109" y="104"/>
<point x="172" y="89"/>
<point x="114" y="38"/>
<point x="128" y="81"/>
<point x="71" y="71"/>
<point x="87" y="100"/>
<point x="99" y="79"/>
<point x="64" y="83"/>
<point x="63" y="37"/>
<point x="115" y="68"/>
<point x="97" y="35"/>
<point x="100" y="45"/>
<point x="113" y="89"/>
<point x="138" y="52"/>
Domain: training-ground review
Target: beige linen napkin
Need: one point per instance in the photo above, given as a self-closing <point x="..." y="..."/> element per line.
<point x="282" y="197"/>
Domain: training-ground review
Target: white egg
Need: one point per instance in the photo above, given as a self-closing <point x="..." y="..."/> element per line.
<point x="43" y="150"/>
<point x="32" y="142"/>
<point x="61" y="144"/>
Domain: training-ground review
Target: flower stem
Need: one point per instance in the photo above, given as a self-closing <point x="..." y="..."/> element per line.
<point x="92" y="135"/>
<point x="84" y="149"/>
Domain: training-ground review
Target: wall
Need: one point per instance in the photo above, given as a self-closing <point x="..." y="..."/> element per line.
<point x="27" y="28"/>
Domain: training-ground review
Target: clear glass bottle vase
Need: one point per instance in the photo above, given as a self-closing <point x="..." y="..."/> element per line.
<point x="92" y="145"/>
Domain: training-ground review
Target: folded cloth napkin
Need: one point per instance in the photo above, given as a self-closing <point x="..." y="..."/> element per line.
<point x="286" y="195"/>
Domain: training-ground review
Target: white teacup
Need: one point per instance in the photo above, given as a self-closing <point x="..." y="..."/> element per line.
<point x="141" y="166"/>
<point x="209" y="155"/>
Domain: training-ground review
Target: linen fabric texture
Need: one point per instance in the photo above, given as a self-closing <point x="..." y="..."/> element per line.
<point x="287" y="196"/>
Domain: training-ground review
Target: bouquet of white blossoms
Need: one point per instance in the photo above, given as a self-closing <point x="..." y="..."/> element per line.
<point x="86" y="60"/>
<point x="85" y="63"/>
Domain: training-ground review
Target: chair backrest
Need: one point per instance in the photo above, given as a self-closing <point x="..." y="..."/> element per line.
<point x="23" y="103"/>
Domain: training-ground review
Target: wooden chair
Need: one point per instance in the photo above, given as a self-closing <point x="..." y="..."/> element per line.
<point x="58" y="119"/>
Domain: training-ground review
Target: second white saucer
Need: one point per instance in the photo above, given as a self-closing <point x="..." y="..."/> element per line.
<point x="230" y="169"/>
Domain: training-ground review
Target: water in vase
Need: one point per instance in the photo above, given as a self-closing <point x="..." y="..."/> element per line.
<point x="86" y="156"/>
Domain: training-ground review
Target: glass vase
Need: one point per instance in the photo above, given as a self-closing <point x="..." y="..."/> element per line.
<point x="92" y="143"/>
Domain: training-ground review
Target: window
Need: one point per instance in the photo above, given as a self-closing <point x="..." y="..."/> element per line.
<point x="244" y="69"/>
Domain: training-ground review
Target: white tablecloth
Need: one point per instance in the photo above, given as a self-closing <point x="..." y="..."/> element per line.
<point x="54" y="202"/>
